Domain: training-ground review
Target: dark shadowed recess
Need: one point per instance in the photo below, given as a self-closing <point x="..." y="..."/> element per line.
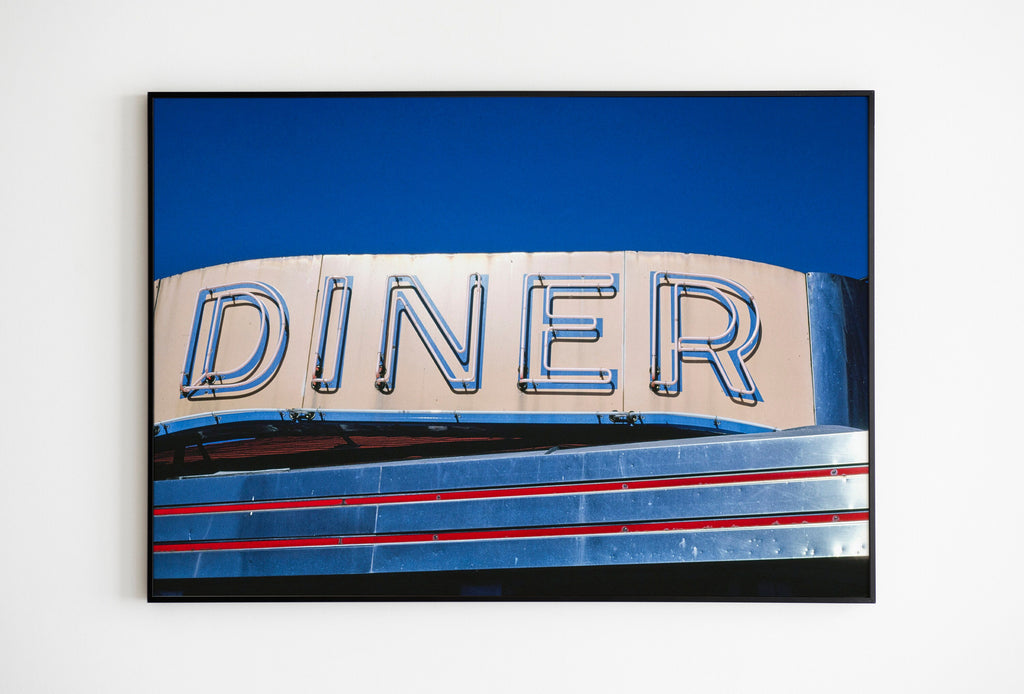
<point x="843" y="579"/>
<point x="308" y="446"/>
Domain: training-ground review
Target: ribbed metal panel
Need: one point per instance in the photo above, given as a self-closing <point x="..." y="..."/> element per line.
<point x="782" y="495"/>
<point x="797" y="448"/>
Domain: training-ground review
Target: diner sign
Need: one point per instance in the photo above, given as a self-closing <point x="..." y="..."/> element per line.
<point x="605" y="337"/>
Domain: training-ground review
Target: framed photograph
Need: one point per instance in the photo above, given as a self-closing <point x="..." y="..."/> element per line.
<point x="508" y="346"/>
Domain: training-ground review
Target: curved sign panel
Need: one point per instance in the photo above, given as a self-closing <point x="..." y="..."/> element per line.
<point x="705" y="342"/>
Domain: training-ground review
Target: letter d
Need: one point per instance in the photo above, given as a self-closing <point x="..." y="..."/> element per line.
<point x="202" y="375"/>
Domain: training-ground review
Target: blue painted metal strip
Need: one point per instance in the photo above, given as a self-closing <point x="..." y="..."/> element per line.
<point x="833" y="494"/>
<point x="626" y="506"/>
<point x="808" y="447"/>
<point x="783" y="542"/>
<point x="287" y="562"/>
<point x="222" y="526"/>
<point x="687" y="421"/>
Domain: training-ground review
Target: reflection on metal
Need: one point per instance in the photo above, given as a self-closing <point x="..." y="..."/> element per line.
<point x="627" y="499"/>
<point x="838" y="319"/>
<point x="382" y="538"/>
<point x="563" y="327"/>
<point x="407" y="297"/>
<point x="332" y="285"/>
<point x="705" y="348"/>
<point x="801" y="448"/>
<point x="788" y="495"/>
<point x="248" y="376"/>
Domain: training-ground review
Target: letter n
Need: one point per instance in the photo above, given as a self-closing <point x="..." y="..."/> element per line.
<point x="459" y="361"/>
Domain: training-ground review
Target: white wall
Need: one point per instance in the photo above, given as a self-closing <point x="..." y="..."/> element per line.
<point x="73" y="78"/>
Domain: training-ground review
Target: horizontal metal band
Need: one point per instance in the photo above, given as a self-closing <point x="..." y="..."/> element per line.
<point x="833" y="494"/>
<point x="503" y="493"/>
<point x="806" y="448"/>
<point x="663" y="526"/>
<point x="846" y="538"/>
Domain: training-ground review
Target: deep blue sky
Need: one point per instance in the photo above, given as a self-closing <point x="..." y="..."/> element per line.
<point x="782" y="180"/>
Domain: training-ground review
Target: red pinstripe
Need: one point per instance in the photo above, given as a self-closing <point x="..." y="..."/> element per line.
<point x="539" y="490"/>
<point x="605" y="529"/>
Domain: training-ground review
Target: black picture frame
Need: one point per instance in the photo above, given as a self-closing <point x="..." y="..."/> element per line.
<point x="181" y="455"/>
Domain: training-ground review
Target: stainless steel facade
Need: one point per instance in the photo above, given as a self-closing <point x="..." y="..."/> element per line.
<point x="786" y="495"/>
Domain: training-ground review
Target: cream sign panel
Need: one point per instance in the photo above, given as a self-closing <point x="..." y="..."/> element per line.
<point x="618" y="337"/>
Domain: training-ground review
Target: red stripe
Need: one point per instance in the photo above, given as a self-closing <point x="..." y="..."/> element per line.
<point x="381" y="499"/>
<point x="659" y="526"/>
<point x="247" y="544"/>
